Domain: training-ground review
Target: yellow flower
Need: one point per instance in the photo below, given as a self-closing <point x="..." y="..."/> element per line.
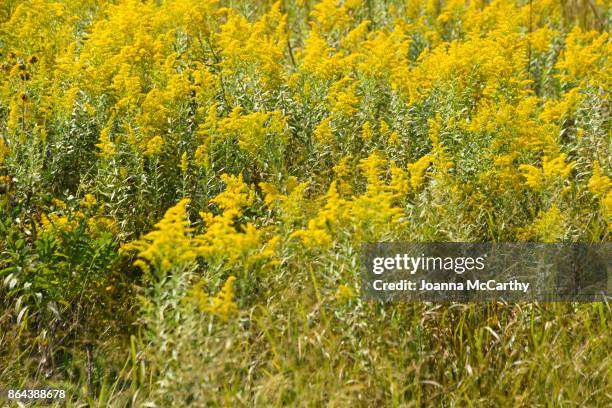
<point x="59" y="204"/>
<point x="355" y="37"/>
<point x="556" y="110"/>
<point x="270" y="191"/>
<point x="224" y="305"/>
<point x="254" y="131"/>
<point x="394" y="139"/>
<point x="197" y="294"/>
<point x="222" y="238"/>
<point x="154" y="146"/>
<point x="89" y="200"/>
<point x="549" y="226"/>
<point x="170" y="243"/>
<point x="385" y="55"/>
<point x="235" y="196"/>
<point x="418" y="171"/>
<point x="372" y="167"/>
<point x="599" y="184"/>
<point x="343" y="171"/>
<point x="400" y="183"/>
<point x="59" y="223"/>
<point x="318" y="59"/>
<point x="107" y="148"/>
<point x="330" y="16"/>
<point x="366" y="132"/>
<point x="4" y="150"/>
<point x="371" y="214"/>
<point x="319" y="229"/>
<point x="552" y="170"/>
<point x="606" y="205"/>
<point x="323" y="133"/>
<point x="344" y="293"/>
<point x="540" y="39"/>
<point x="313" y="236"/>
<point x="100" y="223"/>
<point x="584" y="56"/>
<point x="184" y="163"/>
<point x="291" y="204"/>
<point x="201" y="157"/>
<point x="342" y="97"/>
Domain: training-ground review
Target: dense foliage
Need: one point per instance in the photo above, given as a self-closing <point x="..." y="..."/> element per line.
<point x="185" y="186"/>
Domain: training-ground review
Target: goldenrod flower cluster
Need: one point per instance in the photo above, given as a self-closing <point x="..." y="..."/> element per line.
<point x="222" y="305"/>
<point x="169" y="244"/>
<point x="342" y="127"/>
<point x="258" y="140"/>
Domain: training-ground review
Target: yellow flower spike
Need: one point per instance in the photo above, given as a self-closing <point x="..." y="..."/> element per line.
<point x="4" y="150"/>
<point x="292" y="184"/>
<point x="372" y="168"/>
<point x="59" y="204"/>
<point x="565" y="107"/>
<point x="366" y="132"/>
<point x="369" y="215"/>
<point x="323" y="133"/>
<point x="344" y="293"/>
<point x="58" y="223"/>
<point x="394" y="139"/>
<point x="319" y="60"/>
<point x="534" y="177"/>
<point x="400" y="183"/>
<point x="313" y="236"/>
<point x="317" y="233"/>
<point x="540" y="39"/>
<point x="89" y="200"/>
<point x="549" y="226"/>
<point x="583" y="55"/>
<point x="197" y="294"/>
<point x="224" y="305"/>
<point x="222" y="239"/>
<point x="184" y="163"/>
<point x="201" y="157"/>
<point x="384" y="128"/>
<point x="552" y="170"/>
<point x="606" y="205"/>
<point x="342" y="97"/>
<point x="557" y="167"/>
<point x="235" y="196"/>
<point x="154" y="146"/>
<point x="418" y="171"/>
<point x="107" y="148"/>
<point x="355" y="37"/>
<point x="170" y="243"/>
<point x="329" y="15"/>
<point x="270" y="192"/>
<point x="100" y="223"/>
<point x="343" y="171"/>
<point x="384" y="55"/>
<point x="343" y="168"/>
<point x="599" y="184"/>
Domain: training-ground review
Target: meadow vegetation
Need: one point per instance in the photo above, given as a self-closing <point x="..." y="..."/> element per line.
<point x="185" y="186"/>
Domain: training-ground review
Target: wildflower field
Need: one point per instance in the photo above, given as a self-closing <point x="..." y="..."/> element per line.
<point x="186" y="185"/>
